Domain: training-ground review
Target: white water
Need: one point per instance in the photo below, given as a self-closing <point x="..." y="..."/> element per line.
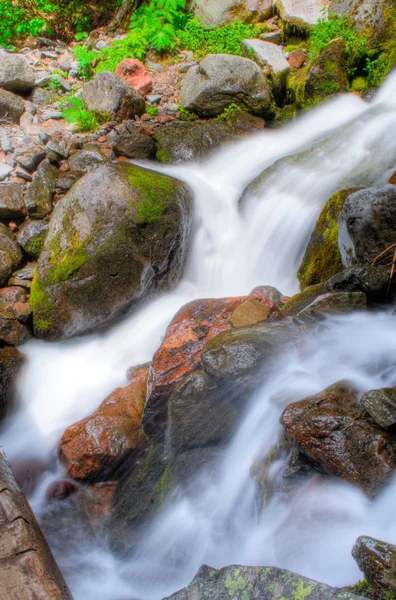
<point x="311" y="529"/>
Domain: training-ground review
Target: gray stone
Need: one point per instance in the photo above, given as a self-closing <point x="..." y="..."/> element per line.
<point x="10" y="253"/>
<point x="11" y="362"/>
<point x="66" y="180"/>
<point x="367" y="224"/>
<point x="213" y="13"/>
<point x="30" y="157"/>
<point x="187" y="66"/>
<point x="48" y="114"/>
<point x="258" y="583"/>
<point x="5" y="170"/>
<point x="42" y="79"/>
<point x="221" y="80"/>
<point x="127" y="141"/>
<point x="364" y="14"/>
<point x="108" y="93"/>
<point x="11" y="106"/>
<point x="267" y="53"/>
<point x="275" y="37"/>
<point x="332" y="304"/>
<point x="110" y="238"/>
<point x="65" y="61"/>
<point x="360" y="278"/>
<point x="63" y="83"/>
<point x="12" y="204"/>
<point x="301" y="15"/>
<point x="153" y="99"/>
<point x="32" y="236"/>
<point x="381" y="406"/>
<point x="15" y="73"/>
<point x="154" y="66"/>
<point x="87" y="159"/>
<point x="38" y="198"/>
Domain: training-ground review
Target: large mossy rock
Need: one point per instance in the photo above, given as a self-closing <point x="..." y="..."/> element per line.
<point x="180" y="142"/>
<point x="367" y="224"/>
<point x="119" y="234"/>
<point x="256" y="583"/>
<point x="322" y="258"/>
<point x="221" y="80"/>
<point x="322" y="77"/>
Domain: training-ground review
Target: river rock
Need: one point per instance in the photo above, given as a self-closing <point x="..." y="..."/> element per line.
<point x="258" y="583"/>
<point x="213" y="13"/>
<point x="128" y="141"/>
<point x="32" y="236"/>
<point x="377" y="560"/>
<point x="87" y="159"/>
<point x="331" y="430"/>
<point x="267" y="53"/>
<point x="95" y="446"/>
<point x="10" y="253"/>
<point x="361" y="278"/>
<point x="109" y="94"/>
<point x="367" y="224"/>
<point x="179" y="354"/>
<point x="38" y="197"/>
<point x="136" y="75"/>
<point x="11" y="362"/>
<point x="30" y="157"/>
<point x="180" y="142"/>
<point x="198" y="413"/>
<point x="381" y="406"/>
<point x="15" y="73"/>
<point x="332" y="304"/>
<point x="301" y="15"/>
<point x="11" y="106"/>
<point x="221" y="80"/>
<point x="12" y="204"/>
<point x="298" y="302"/>
<point x="119" y="234"/>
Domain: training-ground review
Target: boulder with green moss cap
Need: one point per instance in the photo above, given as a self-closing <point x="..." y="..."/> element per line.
<point x="118" y="235"/>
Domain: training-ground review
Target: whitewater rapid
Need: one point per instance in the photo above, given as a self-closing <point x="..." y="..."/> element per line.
<point x="344" y="143"/>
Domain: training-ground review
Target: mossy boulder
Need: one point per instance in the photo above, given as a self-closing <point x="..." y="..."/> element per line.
<point x="118" y="235"/>
<point x="322" y="258"/>
<point x="322" y="77"/>
<point x="298" y="302"/>
<point x="238" y="582"/>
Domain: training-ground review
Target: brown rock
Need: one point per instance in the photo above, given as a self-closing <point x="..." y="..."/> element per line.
<point x="95" y="446"/>
<point x="133" y="72"/>
<point x="297" y="58"/>
<point x="332" y="431"/>
<point x="60" y="490"/>
<point x="377" y="560"/>
<point x="249" y="312"/>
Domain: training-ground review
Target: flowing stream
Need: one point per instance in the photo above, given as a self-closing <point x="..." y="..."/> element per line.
<point x="311" y="528"/>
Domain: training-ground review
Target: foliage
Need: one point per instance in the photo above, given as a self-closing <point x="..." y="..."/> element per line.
<point x="16" y="21"/>
<point x="377" y="69"/>
<point x="229" y="112"/>
<point x="85" y="58"/>
<point x="226" y="39"/>
<point x="186" y="115"/>
<point x="359" y="84"/>
<point x="158" y="21"/>
<point x="84" y="119"/>
<point x="152" y="110"/>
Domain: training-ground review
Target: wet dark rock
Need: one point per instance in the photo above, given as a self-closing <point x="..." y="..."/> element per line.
<point x="87" y="159"/>
<point x="109" y="94"/>
<point x="377" y="560"/>
<point x="299" y="301"/>
<point x="332" y="431"/>
<point x="361" y="278"/>
<point x="67" y="179"/>
<point x="60" y="490"/>
<point x="367" y="224"/>
<point x="381" y="406"/>
<point x="11" y="362"/>
<point x="129" y="142"/>
<point x="332" y="304"/>
<point x="32" y="236"/>
<point x="12" y="204"/>
<point x="12" y="331"/>
<point x="10" y="253"/>
<point x="180" y="142"/>
<point x="15" y="73"/>
<point x="119" y="234"/>
<point x="38" y="197"/>
<point x="259" y="583"/>
<point x="221" y="80"/>
<point x="12" y="107"/>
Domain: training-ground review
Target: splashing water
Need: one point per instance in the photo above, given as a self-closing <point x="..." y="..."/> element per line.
<point x="344" y="143"/>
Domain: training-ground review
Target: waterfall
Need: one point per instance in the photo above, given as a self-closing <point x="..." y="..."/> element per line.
<point x="345" y="142"/>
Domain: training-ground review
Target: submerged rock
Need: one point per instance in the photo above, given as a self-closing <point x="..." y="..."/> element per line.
<point x="179" y="142"/>
<point x="256" y="583"/>
<point x="331" y="430"/>
<point x="221" y="80"/>
<point x="94" y="447"/>
<point x="367" y="224"/>
<point x="119" y="234"/>
<point x="377" y="560"/>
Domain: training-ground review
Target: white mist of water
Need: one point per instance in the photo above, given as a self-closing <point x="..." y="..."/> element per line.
<point x="343" y="143"/>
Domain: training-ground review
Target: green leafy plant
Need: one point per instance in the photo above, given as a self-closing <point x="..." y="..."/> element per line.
<point x="377" y="69"/>
<point x="226" y="39"/>
<point x="81" y="117"/>
<point x="229" y="112"/>
<point x="85" y="58"/>
<point x="332" y="28"/>
<point x="186" y="115"/>
<point x="152" y="110"/>
<point x="158" y="21"/>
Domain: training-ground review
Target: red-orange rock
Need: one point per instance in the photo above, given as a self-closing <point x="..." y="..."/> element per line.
<point x="333" y="431"/>
<point x="297" y="58"/>
<point x="195" y="324"/>
<point x="95" y="446"/>
<point x="133" y="72"/>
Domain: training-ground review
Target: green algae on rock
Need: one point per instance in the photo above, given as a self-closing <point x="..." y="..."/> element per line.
<point x="117" y="236"/>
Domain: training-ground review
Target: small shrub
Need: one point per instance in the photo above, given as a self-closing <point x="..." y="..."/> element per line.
<point x="186" y="115"/>
<point x="152" y="110"/>
<point x="229" y="112"/>
<point x="82" y="118"/>
<point x="86" y="58"/>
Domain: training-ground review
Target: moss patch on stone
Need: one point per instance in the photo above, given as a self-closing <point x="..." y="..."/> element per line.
<point x="322" y="258"/>
<point x="300" y="301"/>
<point x="43" y="312"/>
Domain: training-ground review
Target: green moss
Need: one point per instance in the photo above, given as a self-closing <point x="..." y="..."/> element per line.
<point x="69" y="264"/>
<point x="235" y="583"/>
<point x="43" y="312"/>
<point x="35" y="246"/>
<point x="299" y="301"/>
<point x="163" y="155"/>
<point x="359" y="84"/>
<point x="163" y="484"/>
<point x="322" y="257"/>
<point x="154" y="191"/>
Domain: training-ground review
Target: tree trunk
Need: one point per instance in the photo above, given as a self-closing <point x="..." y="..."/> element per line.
<point x="28" y="570"/>
<point x="122" y="15"/>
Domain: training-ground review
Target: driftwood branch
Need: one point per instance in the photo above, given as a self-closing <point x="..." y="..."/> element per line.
<point x="27" y="568"/>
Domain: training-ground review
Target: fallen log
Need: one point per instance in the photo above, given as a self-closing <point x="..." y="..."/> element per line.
<point x="28" y="570"/>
